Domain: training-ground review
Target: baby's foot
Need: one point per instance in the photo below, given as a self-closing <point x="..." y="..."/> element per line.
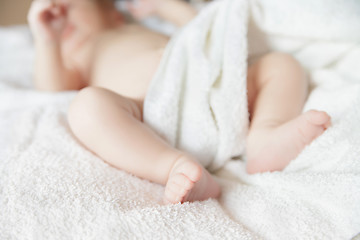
<point x="272" y="149"/>
<point x="189" y="181"/>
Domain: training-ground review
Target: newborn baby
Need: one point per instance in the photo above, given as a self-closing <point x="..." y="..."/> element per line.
<point x="87" y="45"/>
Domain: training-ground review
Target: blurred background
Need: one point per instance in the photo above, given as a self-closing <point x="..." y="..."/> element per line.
<point x="13" y="11"/>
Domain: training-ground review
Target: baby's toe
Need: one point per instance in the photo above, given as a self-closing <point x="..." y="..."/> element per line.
<point x="171" y="197"/>
<point x="318" y="118"/>
<point x="177" y="188"/>
<point x="182" y="181"/>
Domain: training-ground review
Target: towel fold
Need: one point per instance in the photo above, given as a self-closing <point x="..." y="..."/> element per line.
<point x="197" y="99"/>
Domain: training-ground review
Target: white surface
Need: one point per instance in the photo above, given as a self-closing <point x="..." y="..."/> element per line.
<point x="52" y="188"/>
<point x="16" y="53"/>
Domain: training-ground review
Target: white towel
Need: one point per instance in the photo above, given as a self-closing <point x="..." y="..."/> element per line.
<point x="197" y="99"/>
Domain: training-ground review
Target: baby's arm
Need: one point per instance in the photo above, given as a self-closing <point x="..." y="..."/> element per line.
<point x="50" y="71"/>
<point x="177" y="12"/>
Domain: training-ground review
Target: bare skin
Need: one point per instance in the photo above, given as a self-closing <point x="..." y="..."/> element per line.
<point x="277" y="90"/>
<point x="120" y="53"/>
<point x="106" y="115"/>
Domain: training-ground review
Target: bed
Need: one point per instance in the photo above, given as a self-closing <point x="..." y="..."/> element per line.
<point x="51" y="187"/>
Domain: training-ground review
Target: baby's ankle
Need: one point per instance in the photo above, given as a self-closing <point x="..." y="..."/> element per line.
<point x="180" y="158"/>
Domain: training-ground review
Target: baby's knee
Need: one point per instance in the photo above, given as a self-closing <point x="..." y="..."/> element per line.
<point x="86" y="97"/>
<point x="281" y="57"/>
<point x="84" y="109"/>
<point x="93" y="106"/>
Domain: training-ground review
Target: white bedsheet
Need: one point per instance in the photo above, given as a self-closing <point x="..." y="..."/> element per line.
<point x="52" y="188"/>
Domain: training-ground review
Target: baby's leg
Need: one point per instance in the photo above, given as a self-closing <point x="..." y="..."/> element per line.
<point x="277" y="88"/>
<point x="111" y="126"/>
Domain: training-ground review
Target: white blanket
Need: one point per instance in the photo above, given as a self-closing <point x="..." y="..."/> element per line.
<point x="52" y="188"/>
<point x="197" y="99"/>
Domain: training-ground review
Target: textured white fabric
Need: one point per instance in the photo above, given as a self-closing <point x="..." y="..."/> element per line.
<point x="52" y="188"/>
<point x="197" y="99"/>
<point x="320" y="19"/>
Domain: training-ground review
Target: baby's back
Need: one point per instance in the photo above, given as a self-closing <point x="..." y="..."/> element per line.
<point x="126" y="59"/>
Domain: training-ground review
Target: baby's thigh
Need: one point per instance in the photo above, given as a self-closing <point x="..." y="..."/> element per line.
<point x="104" y="102"/>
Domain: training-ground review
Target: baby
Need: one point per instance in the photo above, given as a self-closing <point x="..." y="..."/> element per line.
<point x="87" y="45"/>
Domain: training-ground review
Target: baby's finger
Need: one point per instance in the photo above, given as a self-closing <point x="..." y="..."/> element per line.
<point x="55" y="11"/>
<point x="38" y="7"/>
<point x="63" y="9"/>
<point x="45" y="16"/>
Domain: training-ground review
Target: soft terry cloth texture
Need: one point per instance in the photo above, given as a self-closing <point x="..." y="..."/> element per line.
<point x="197" y="99"/>
<point x="52" y="188"/>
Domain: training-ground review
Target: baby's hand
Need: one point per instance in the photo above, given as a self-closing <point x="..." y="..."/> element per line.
<point x="141" y="9"/>
<point x="46" y="20"/>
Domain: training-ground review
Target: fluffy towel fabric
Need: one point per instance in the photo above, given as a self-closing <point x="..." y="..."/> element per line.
<point x="197" y="99"/>
<point x="53" y="188"/>
<point x="321" y="19"/>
